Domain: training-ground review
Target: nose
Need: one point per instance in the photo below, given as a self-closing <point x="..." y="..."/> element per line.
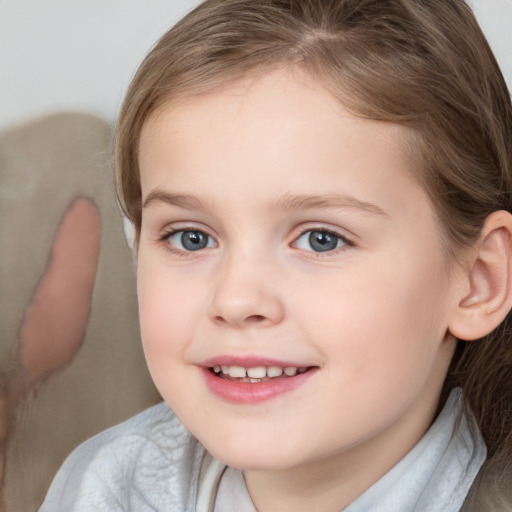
<point x="246" y="294"/>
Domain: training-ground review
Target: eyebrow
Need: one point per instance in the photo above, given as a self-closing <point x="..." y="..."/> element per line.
<point x="288" y="202"/>
<point x="328" y="201"/>
<point x="185" y="201"/>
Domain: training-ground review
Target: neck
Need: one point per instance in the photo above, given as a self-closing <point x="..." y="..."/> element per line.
<point x="330" y="484"/>
<point x="312" y="488"/>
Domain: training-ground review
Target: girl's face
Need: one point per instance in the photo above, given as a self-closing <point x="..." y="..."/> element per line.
<point x="282" y="235"/>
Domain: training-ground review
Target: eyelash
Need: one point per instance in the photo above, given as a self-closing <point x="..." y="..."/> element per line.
<point x="346" y="241"/>
<point x="165" y="237"/>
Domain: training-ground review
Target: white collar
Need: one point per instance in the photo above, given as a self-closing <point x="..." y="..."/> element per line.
<point x="435" y="476"/>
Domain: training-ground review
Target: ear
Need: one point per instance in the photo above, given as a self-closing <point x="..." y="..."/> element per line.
<point x="489" y="280"/>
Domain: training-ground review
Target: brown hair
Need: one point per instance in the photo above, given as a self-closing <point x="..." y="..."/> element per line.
<point x="421" y="63"/>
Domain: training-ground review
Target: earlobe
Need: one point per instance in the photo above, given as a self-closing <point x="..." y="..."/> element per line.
<point x="489" y="280"/>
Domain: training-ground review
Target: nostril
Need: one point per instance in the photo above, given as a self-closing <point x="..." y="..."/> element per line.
<point x="251" y="319"/>
<point x="255" y="319"/>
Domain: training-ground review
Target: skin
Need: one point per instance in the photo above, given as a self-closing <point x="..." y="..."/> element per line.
<point x="372" y="316"/>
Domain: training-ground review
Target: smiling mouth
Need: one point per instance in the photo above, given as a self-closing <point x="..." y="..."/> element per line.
<point x="257" y="374"/>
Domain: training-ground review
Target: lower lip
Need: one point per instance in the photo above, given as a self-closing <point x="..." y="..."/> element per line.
<point x="253" y="392"/>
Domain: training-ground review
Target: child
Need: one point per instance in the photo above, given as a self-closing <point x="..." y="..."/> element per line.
<point x="320" y="191"/>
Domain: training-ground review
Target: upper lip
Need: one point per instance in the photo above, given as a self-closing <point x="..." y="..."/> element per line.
<point x="249" y="362"/>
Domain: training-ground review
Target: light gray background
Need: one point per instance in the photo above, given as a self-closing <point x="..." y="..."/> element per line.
<point x="80" y="54"/>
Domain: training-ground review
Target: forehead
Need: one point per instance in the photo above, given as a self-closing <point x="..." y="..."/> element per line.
<point x="288" y="94"/>
<point x="282" y="127"/>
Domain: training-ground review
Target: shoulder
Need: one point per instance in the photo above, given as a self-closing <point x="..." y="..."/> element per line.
<point x="150" y="462"/>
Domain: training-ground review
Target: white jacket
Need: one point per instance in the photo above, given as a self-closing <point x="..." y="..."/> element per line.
<point x="152" y="463"/>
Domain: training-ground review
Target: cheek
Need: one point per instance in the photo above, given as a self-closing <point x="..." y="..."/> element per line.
<point x="164" y="311"/>
<point x="167" y="322"/>
<point x="385" y="319"/>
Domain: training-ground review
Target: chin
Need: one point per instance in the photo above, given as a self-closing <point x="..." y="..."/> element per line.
<point x="253" y="456"/>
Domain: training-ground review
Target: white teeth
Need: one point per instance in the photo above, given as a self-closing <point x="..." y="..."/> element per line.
<point x="237" y="372"/>
<point x="257" y="373"/>
<point x="274" y="371"/>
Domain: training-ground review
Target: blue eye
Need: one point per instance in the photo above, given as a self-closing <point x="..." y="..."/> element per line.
<point x="190" y="240"/>
<point x="320" y="241"/>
